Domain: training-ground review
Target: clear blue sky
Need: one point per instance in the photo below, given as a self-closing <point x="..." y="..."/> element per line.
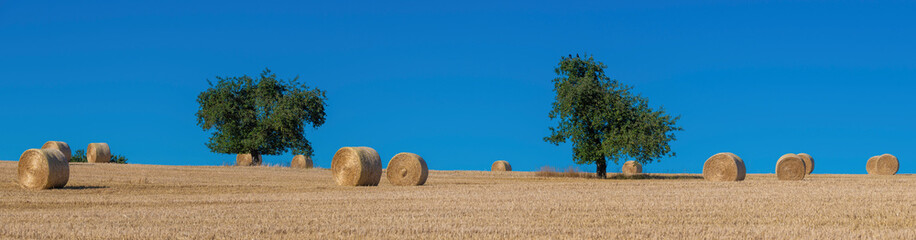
<point x="466" y="83"/>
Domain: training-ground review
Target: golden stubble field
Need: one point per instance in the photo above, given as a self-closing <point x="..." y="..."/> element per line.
<point x="115" y="201"/>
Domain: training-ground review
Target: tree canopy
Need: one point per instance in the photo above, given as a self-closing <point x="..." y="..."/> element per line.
<point x="603" y="119"/>
<point x="266" y="115"/>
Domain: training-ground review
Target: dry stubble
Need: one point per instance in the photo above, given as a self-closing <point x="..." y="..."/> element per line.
<point x="129" y="201"/>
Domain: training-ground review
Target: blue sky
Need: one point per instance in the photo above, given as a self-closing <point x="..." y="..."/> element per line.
<point x="466" y="83"/>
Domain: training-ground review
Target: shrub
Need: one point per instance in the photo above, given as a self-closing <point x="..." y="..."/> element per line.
<point x="118" y="159"/>
<point x="80" y="156"/>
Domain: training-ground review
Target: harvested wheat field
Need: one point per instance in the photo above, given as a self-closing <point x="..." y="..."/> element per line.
<point x="148" y="201"/>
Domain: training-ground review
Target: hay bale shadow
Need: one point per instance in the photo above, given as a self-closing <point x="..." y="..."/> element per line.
<point x="84" y="187"/>
<point x="621" y="176"/>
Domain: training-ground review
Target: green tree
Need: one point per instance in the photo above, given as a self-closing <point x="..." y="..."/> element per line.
<point x="266" y="115"/>
<point x="603" y="119"/>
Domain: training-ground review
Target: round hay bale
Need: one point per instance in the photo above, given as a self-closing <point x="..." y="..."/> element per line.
<point x="870" y="165"/>
<point x="43" y="169"/>
<point x="809" y="162"/>
<point x="98" y="153"/>
<point x="724" y="167"/>
<point x="62" y="146"/>
<point x="301" y="161"/>
<point x="247" y="159"/>
<point x="790" y="167"/>
<point x="407" y="169"/>
<point x="501" y="166"/>
<point x="886" y="164"/>
<point x="631" y="167"/>
<point x="356" y="166"/>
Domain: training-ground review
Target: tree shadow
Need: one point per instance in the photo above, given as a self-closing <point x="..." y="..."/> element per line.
<point x="654" y="176"/>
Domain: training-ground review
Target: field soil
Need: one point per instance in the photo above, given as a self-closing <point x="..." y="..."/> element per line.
<point x="116" y="201"/>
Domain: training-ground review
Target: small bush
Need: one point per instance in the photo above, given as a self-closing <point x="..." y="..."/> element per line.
<point x="80" y="156"/>
<point x="118" y="159"/>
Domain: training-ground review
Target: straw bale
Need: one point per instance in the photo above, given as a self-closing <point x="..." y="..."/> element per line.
<point x="43" y="169"/>
<point x="809" y="162"/>
<point x="501" y="166"/>
<point x="724" y="167"/>
<point x="407" y="169"/>
<point x="98" y="153"/>
<point x="886" y="164"/>
<point x="248" y="159"/>
<point x="62" y="146"/>
<point x="356" y="166"/>
<point x="631" y="167"/>
<point x="790" y="167"/>
<point x="301" y="161"/>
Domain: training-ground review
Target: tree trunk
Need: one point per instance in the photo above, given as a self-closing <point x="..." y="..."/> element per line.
<point x="256" y="158"/>
<point x="602" y="168"/>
